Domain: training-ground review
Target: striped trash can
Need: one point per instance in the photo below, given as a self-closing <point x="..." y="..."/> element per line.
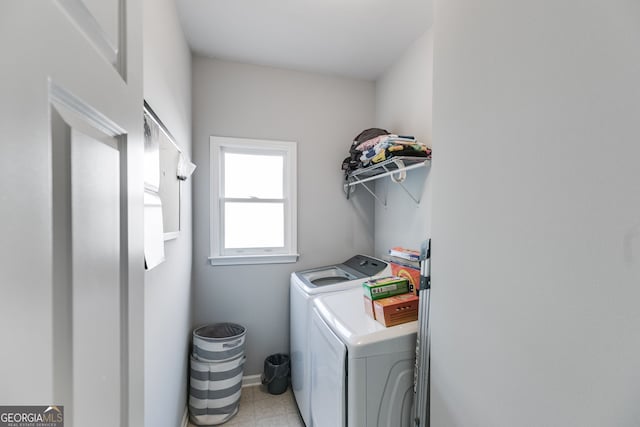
<point x="217" y="366"/>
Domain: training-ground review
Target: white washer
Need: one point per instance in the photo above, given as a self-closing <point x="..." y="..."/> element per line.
<point x="361" y="371"/>
<point x="305" y="287"/>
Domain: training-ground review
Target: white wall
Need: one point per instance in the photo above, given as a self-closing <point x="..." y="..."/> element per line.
<point x="536" y="214"/>
<point x="168" y="299"/>
<point x="323" y="114"/>
<point x="403" y="106"/>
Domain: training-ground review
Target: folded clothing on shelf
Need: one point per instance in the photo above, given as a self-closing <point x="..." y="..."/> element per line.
<point x="390" y="148"/>
<point x="353" y="161"/>
<point x="376" y="145"/>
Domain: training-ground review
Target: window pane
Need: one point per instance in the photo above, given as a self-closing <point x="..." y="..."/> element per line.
<point x="253" y="175"/>
<point x="253" y="225"/>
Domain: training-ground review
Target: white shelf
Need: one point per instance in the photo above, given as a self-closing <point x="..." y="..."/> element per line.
<point x="395" y="168"/>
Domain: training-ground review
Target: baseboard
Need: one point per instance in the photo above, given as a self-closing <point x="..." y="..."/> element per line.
<point x="185" y="418"/>
<point x="251" y="380"/>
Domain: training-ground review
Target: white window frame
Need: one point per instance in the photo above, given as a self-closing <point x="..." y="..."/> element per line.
<point x="221" y="256"/>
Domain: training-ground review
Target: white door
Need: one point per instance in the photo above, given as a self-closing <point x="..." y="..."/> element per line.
<point x="71" y="257"/>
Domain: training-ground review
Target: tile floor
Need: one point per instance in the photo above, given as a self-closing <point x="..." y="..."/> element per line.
<point x="258" y="408"/>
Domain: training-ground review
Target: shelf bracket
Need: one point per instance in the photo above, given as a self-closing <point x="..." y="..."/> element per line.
<point x="382" y="202"/>
<point x="416" y="200"/>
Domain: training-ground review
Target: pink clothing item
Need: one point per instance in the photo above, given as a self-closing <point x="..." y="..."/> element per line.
<point x="371" y="142"/>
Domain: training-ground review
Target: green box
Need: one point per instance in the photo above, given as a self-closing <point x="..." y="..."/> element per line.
<point x="384" y="287"/>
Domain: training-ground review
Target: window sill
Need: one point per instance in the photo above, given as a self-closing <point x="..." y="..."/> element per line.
<point x="254" y="259"/>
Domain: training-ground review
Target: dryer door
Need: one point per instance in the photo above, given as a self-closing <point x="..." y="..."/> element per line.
<point x="328" y="375"/>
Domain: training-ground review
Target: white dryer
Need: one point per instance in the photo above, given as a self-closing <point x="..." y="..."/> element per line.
<point x="305" y="287"/>
<point x="361" y="371"/>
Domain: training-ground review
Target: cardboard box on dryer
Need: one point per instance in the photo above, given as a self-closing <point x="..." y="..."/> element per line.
<point x="409" y="273"/>
<point x="383" y="287"/>
<point x="397" y="309"/>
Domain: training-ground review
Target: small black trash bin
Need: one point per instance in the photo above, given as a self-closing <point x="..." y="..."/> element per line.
<point x="276" y="373"/>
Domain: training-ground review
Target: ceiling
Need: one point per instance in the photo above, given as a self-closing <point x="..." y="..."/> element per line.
<point x="357" y="38"/>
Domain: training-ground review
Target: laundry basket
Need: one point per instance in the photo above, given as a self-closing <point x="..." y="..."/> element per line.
<point x="216" y="374"/>
<point x="218" y="342"/>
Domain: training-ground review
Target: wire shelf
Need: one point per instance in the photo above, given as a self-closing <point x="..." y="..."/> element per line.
<point x="395" y="168"/>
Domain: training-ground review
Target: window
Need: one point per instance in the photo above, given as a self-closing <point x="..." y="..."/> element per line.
<point x="253" y="201"/>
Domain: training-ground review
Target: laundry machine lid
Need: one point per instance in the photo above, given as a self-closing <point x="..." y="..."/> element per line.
<point x="342" y="276"/>
<point x="364" y="336"/>
<point x="328" y="275"/>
